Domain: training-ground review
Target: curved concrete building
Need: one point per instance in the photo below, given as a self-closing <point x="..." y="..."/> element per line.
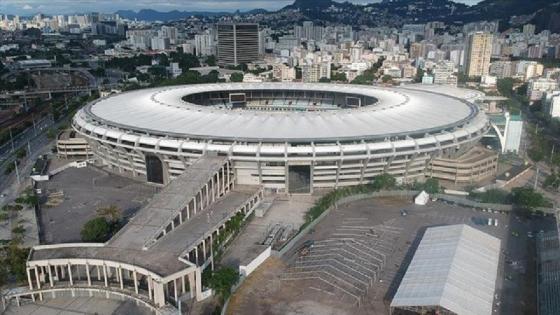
<point x="289" y="137"/>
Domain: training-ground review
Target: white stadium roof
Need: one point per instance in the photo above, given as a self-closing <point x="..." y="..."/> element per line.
<point x="399" y="111"/>
<point x="454" y="267"/>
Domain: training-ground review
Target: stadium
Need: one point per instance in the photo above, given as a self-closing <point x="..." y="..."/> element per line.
<point x="287" y="137"/>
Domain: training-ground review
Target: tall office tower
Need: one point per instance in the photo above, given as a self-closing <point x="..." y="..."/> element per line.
<point x="238" y="43"/>
<point x="478" y="53"/>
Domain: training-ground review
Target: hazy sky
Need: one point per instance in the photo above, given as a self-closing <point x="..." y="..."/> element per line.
<point x="29" y="7"/>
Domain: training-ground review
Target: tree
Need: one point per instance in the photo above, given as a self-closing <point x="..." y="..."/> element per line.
<point x="97" y="230"/>
<point x="16" y="259"/>
<point x="528" y="198"/>
<point x="338" y="76"/>
<point x="324" y="80"/>
<point x="505" y="86"/>
<point x="236" y="77"/>
<point x="21" y="153"/>
<point x="211" y="60"/>
<point x="419" y="75"/>
<point x="386" y="78"/>
<point x="222" y="280"/>
<point x="431" y="186"/>
<point x="384" y="181"/>
<point x="552" y="181"/>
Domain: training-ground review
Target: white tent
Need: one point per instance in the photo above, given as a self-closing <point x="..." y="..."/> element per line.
<point x="422" y="198"/>
<point x="454" y="267"/>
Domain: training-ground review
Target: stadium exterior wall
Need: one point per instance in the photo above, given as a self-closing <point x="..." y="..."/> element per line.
<point x="332" y="164"/>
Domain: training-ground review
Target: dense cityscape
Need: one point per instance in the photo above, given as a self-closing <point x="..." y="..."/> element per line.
<point x="393" y="157"/>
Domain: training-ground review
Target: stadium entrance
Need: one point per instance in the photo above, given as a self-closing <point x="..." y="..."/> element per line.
<point x="299" y="179"/>
<point x="154" y="169"/>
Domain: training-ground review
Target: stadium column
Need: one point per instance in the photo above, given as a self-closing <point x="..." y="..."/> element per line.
<point x="37" y="279"/>
<point x="203" y="250"/>
<point x="175" y="293"/>
<point x="198" y="285"/>
<point x="135" y="278"/>
<point x="29" y="280"/>
<point x="150" y="287"/>
<point x="50" y="276"/>
<point x="88" y="276"/>
<point x="207" y="196"/>
<point x="192" y="284"/>
<point x="120" y="278"/>
<point x="70" y="274"/>
<point x="159" y="295"/>
<point x="105" y="275"/>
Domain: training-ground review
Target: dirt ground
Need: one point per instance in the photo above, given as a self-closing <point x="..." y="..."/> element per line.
<point x="271" y="290"/>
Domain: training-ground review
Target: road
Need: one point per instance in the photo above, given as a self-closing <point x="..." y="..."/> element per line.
<point x="38" y="144"/>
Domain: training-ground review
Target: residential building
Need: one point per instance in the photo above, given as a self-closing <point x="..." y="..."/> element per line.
<point x="478" y="53"/>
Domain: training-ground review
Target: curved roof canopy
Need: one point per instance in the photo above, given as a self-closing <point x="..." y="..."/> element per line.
<point x="398" y="111"/>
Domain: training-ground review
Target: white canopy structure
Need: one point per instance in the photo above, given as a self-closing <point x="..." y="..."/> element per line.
<point x="455" y="268"/>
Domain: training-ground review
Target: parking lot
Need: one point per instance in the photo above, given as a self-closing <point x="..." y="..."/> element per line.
<point x="70" y="198"/>
<point x="360" y="253"/>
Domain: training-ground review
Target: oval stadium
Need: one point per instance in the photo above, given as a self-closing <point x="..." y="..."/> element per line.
<point x="287" y="137"/>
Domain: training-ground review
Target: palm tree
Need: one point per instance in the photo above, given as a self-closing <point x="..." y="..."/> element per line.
<point x="111" y="212"/>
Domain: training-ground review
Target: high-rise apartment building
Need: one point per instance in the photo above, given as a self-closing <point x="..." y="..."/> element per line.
<point x="238" y="43"/>
<point x="478" y="53"/>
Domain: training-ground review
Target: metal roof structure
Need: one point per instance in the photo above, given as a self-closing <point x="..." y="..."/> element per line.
<point x="454" y="267"/>
<point x="398" y="111"/>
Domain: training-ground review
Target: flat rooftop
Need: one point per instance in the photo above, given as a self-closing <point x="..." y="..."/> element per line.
<point x="166" y="205"/>
<point x="162" y="258"/>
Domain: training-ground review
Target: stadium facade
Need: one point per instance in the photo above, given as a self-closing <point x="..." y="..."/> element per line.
<point x="289" y="137"/>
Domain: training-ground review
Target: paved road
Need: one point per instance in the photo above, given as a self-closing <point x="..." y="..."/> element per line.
<point x="27" y="135"/>
<point x="38" y="144"/>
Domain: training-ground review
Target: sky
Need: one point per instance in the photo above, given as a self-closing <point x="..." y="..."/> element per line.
<point x="30" y="7"/>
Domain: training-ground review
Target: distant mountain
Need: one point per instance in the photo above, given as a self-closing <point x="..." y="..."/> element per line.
<point x="398" y="12"/>
<point x="543" y="13"/>
<point x="153" y="15"/>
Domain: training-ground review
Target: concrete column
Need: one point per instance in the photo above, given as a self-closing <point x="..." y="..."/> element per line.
<point x="150" y="288"/>
<point x="175" y="295"/>
<point x="29" y="281"/>
<point x="198" y="285"/>
<point x="56" y="272"/>
<point x="189" y="210"/>
<point x="207" y="196"/>
<point x="223" y="181"/>
<point x="191" y="285"/>
<point x="105" y="275"/>
<point x="70" y="274"/>
<point x="194" y="212"/>
<point x="62" y="272"/>
<point x="183" y="286"/>
<point x="204" y="250"/>
<point x="135" y="277"/>
<point x="159" y="296"/>
<point x="98" y="273"/>
<point x="213" y="188"/>
<point x="228" y="176"/>
<point x="50" y="276"/>
<point x="196" y="255"/>
<point x="37" y="278"/>
<point x="211" y="253"/>
<point x="88" y="276"/>
<point x="120" y="278"/>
